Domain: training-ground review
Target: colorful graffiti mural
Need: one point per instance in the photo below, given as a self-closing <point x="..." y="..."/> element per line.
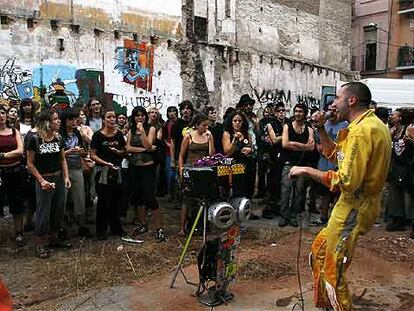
<point x="135" y="62"/>
<point x="15" y="83"/>
<point x="50" y="85"/>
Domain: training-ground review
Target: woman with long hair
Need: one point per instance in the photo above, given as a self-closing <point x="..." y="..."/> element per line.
<point x="13" y="118"/>
<point x="27" y="115"/>
<point x="88" y="164"/>
<point x="74" y="151"/>
<point x="170" y="174"/>
<point x="108" y="150"/>
<point x="142" y="171"/>
<point x="12" y="172"/>
<point x="237" y="143"/>
<point x="47" y="163"/>
<point x="196" y="144"/>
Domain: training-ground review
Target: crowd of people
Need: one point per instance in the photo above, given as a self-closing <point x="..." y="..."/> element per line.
<point x="54" y="164"/>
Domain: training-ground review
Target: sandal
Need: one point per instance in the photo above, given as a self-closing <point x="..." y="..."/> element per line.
<point x="42" y="252"/>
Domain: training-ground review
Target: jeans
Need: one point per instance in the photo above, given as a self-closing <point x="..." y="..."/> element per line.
<point x="77" y="191"/>
<point x="170" y="175"/>
<point x="292" y="194"/>
<point x="49" y="206"/>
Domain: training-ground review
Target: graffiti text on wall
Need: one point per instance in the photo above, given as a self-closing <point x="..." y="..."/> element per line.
<point x="146" y="99"/>
<point x="273" y="96"/>
<point x="280" y="96"/>
<point x="310" y="101"/>
<point x="135" y="62"/>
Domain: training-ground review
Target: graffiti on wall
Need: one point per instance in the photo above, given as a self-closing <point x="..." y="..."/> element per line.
<point x="135" y="62"/>
<point x="273" y="96"/>
<point x="52" y="85"/>
<point x="310" y="101"/>
<point x="146" y="99"/>
<point x="15" y="83"/>
<point x="61" y="84"/>
<point x="276" y="96"/>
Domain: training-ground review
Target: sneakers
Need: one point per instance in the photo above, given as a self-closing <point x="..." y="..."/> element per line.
<point x="85" y="232"/>
<point x="58" y="243"/>
<point x="268" y="214"/>
<point x="294" y="223"/>
<point x="41" y="252"/>
<point x="396" y="225"/>
<point x="19" y="240"/>
<point x="140" y="229"/>
<point x="29" y="227"/>
<point x="160" y="235"/>
<point x="101" y="237"/>
<point x="63" y="234"/>
<point x="283" y="222"/>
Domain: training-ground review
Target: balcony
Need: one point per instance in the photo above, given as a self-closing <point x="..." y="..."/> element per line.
<point x="406" y="6"/>
<point x="405" y="58"/>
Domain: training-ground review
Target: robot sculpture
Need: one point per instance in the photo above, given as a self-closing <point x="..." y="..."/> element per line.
<point x="222" y="217"/>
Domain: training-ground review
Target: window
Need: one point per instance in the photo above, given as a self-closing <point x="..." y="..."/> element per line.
<point x="228" y="8"/>
<point x="370" y="48"/>
<point x="201" y="28"/>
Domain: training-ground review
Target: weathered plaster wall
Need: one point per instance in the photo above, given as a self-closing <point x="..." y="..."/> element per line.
<point x="260" y="47"/>
<point x="279" y="48"/>
<point x="93" y="62"/>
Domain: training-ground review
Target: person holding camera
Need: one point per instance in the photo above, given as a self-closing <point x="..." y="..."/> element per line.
<point x="237" y="143"/>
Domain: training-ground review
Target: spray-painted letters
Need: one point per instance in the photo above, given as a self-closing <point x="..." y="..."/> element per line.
<point x="273" y="96"/>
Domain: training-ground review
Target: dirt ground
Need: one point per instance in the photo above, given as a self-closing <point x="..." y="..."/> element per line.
<point x="112" y="275"/>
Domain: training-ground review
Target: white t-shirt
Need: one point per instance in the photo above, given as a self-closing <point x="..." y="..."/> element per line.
<point x="95" y="124"/>
<point x="24" y="129"/>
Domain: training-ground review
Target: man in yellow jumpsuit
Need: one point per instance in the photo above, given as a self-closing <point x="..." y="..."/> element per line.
<point x="362" y="152"/>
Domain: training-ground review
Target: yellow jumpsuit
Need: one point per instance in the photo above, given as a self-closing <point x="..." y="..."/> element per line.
<point x="363" y="153"/>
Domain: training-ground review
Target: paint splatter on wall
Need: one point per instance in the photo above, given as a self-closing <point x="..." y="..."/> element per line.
<point x="135" y="61"/>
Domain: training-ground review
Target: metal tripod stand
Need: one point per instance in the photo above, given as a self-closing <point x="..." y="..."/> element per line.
<point x="202" y="210"/>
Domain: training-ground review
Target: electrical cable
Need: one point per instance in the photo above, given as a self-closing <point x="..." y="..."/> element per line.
<point x="301" y="303"/>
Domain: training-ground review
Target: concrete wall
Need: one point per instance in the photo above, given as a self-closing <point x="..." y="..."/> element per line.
<point x="93" y="61"/>
<point x="266" y="48"/>
<point x="281" y="49"/>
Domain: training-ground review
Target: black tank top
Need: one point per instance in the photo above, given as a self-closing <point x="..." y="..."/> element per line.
<point x="296" y="157"/>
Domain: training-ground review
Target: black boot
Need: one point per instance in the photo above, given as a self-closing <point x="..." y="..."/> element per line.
<point x="397" y="224"/>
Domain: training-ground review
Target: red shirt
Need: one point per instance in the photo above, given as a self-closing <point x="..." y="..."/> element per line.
<point x="8" y="143"/>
